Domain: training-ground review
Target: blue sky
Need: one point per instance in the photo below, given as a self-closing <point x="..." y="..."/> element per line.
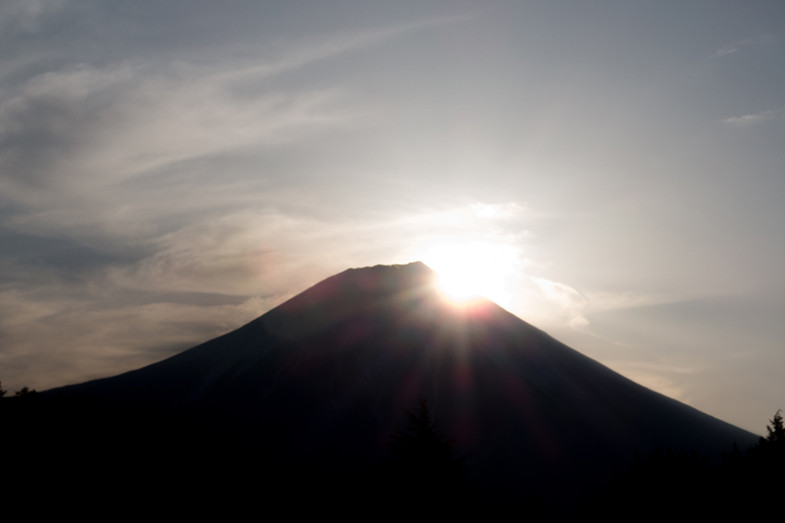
<point x="171" y="170"/>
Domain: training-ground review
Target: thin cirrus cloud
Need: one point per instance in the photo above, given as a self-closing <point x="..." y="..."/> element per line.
<point x="572" y="303"/>
<point x="306" y="54"/>
<point x="753" y="119"/>
<point x="25" y="15"/>
<point x="104" y="125"/>
<point x="69" y="137"/>
<point x="576" y="307"/>
<point x="760" y="40"/>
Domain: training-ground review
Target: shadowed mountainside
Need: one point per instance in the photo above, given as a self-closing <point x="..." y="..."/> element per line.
<point x="331" y="373"/>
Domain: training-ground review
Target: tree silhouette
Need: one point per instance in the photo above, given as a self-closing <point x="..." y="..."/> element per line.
<point x="24" y="392"/>
<point x="422" y="464"/>
<point x="776" y="430"/>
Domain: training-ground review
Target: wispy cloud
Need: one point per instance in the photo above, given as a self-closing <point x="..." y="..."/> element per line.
<point x="56" y="339"/>
<point x="25" y="15"/>
<point x="572" y="303"/>
<point x="752" y="119"/>
<point x="74" y="138"/>
<point x="305" y="53"/>
<point x="577" y="307"/>
<point x="99" y="126"/>
<point x="760" y="40"/>
<point x="604" y="301"/>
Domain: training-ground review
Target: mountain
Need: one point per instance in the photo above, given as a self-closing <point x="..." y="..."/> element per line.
<point x="328" y="375"/>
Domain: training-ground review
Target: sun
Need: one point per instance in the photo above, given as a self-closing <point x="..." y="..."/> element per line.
<point x="472" y="270"/>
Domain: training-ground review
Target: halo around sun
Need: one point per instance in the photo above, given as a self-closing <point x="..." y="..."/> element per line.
<point x="468" y="271"/>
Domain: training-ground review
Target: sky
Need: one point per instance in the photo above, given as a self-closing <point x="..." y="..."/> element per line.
<point x="172" y="170"/>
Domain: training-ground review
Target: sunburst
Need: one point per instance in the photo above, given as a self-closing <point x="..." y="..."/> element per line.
<point x="472" y="270"/>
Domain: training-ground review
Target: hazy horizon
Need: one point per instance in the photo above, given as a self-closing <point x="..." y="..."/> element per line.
<point x="172" y="170"/>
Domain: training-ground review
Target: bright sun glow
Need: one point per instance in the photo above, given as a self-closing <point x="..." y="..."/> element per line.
<point x="467" y="271"/>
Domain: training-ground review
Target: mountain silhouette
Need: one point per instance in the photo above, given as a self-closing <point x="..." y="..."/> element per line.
<point x="330" y="374"/>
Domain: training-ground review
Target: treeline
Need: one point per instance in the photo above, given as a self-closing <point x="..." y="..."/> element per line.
<point x="101" y="457"/>
<point x="745" y="483"/>
<point x="21" y="392"/>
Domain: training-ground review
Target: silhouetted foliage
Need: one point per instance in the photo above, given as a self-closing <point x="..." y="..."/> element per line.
<point x="769" y="453"/>
<point x="421" y="440"/>
<point x="777" y="429"/>
<point x="767" y="459"/>
<point x="2" y="390"/>
<point x="24" y="392"/>
<point x="422" y="466"/>
<point x="742" y="484"/>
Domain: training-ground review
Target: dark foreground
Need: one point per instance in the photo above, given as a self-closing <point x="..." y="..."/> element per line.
<point x="81" y="457"/>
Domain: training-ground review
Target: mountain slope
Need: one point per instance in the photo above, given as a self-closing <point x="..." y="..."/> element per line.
<point x="333" y="371"/>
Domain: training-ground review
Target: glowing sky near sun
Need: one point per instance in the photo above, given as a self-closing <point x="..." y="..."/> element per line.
<point x="469" y="270"/>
